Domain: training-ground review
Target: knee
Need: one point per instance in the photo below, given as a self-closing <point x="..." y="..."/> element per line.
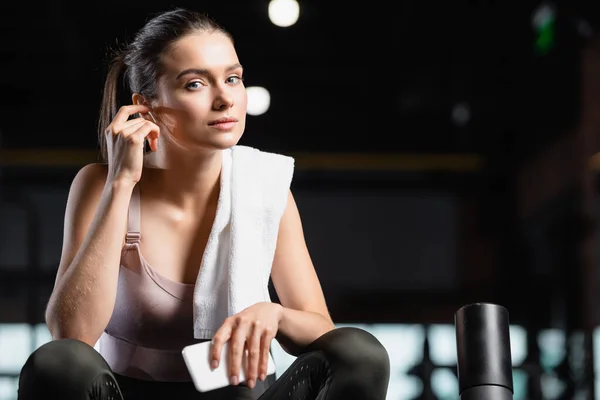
<point x="356" y="349"/>
<point x="358" y="363"/>
<point x="60" y="354"/>
<point x="60" y="365"/>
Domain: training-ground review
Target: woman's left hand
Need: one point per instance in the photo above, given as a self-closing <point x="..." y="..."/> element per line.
<point x="250" y="330"/>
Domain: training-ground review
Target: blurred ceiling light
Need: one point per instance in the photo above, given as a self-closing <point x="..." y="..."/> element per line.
<point x="284" y="13"/>
<point x="259" y="100"/>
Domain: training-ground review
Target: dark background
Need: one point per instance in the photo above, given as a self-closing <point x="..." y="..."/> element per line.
<point x="408" y="214"/>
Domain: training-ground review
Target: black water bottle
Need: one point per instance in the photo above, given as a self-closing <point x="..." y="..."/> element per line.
<point x="483" y="350"/>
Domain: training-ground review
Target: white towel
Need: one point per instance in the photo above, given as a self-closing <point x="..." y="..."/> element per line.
<point x="239" y="253"/>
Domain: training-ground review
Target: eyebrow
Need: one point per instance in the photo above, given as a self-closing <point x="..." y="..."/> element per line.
<point x="201" y="71"/>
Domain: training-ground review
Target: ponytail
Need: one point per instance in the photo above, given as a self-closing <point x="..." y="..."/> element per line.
<point x="112" y="99"/>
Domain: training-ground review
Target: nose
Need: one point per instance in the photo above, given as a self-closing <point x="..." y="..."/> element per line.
<point x="223" y="99"/>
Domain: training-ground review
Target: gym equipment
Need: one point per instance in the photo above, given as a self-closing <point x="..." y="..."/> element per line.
<point x="483" y="352"/>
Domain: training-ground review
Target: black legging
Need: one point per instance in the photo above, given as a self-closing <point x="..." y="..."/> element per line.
<point x="345" y="363"/>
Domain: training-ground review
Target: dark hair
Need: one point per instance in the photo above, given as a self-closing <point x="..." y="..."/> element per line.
<point x="136" y="67"/>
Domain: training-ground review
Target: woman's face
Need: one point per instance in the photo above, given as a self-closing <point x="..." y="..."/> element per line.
<point x="201" y="98"/>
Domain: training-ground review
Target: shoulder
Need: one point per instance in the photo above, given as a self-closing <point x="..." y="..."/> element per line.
<point x="89" y="181"/>
<point x="91" y="175"/>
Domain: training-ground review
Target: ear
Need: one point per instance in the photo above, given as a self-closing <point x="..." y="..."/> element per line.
<point x="137" y="98"/>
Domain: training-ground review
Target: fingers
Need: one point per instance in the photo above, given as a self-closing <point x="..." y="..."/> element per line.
<point x="237" y="346"/>
<point x="125" y="112"/>
<point x="249" y="342"/>
<point x="138" y="135"/>
<point x="222" y="336"/>
<point x="121" y="123"/>
<point x="266" y="338"/>
<point x="253" y="346"/>
<point x="136" y="130"/>
<point x="131" y="126"/>
<point x="153" y="136"/>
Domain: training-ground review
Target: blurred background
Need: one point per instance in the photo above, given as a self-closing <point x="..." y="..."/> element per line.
<point x="445" y="154"/>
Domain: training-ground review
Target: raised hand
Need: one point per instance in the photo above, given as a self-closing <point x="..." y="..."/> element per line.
<point x="125" y="143"/>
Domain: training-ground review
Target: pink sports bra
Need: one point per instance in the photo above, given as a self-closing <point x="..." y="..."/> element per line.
<point x="153" y="316"/>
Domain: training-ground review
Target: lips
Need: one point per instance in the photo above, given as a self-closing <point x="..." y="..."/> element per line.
<point x="224" y="120"/>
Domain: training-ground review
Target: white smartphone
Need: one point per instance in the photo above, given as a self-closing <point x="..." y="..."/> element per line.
<point x="197" y="360"/>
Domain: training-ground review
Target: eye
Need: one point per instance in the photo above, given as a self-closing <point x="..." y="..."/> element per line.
<point x="235" y="79"/>
<point x="194" y="85"/>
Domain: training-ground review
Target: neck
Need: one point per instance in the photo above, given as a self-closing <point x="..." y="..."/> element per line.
<point x="187" y="178"/>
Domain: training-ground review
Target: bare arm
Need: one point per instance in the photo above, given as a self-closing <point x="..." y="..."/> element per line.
<point x="304" y="315"/>
<point x="84" y="293"/>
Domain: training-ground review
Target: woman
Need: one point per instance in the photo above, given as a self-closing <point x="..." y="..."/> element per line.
<point x="173" y="239"/>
